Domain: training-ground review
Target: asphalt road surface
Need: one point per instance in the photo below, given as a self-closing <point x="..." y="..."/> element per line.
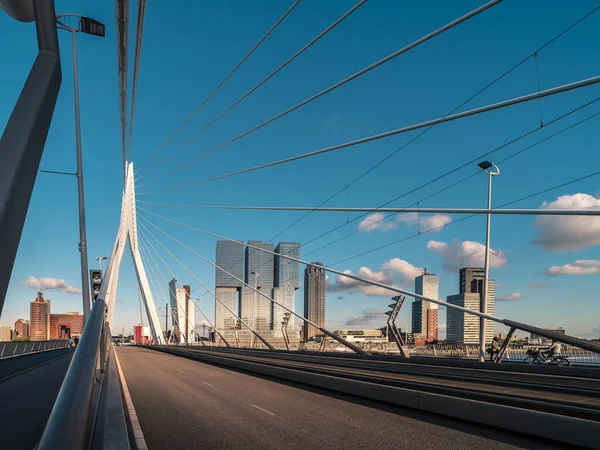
<point x="26" y="401"/>
<point x="185" y="404"/>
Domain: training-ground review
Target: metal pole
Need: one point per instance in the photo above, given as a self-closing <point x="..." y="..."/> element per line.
<point x="483" y="305"/>
<point x="166" y="320"/>
<point x="82" y="234"/>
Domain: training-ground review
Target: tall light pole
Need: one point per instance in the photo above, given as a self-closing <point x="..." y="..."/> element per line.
<point x="486" y="165"/>
<point x="100" y="259"/>
<point x="254" y="307"/>
<point x="87" y="26"/>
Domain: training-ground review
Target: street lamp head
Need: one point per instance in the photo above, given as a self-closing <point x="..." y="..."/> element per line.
<point x="100" y="258"/>
<point x="486" y="165"/>
<point x="256" y="274"/>
<point x="91" y="26"/>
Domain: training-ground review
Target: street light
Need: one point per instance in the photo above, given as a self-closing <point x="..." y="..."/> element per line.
<point x="254" y="315"/>
<point x="99" y="259"/>
<point x="93" y="27"/>
<point x="486" y="165"/>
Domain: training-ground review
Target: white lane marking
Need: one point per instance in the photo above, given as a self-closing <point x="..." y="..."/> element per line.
<point x="208" y="384"/>
<point x="263" y="410"/>
<point x="140" y="441"/>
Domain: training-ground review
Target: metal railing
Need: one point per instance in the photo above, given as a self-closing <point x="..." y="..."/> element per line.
<point x="16" y="348"/>
<point x="72" y="420"/>
<point x="514" y="353"/>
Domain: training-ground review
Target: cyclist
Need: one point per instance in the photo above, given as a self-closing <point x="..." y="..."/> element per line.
<point x="552" y="352"/>
<point x="494" y="348"/>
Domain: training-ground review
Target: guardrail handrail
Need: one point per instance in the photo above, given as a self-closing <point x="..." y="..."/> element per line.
<point x="71" y="421"/>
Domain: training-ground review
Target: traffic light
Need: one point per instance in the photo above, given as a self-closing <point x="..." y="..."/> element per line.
<point x="95" y="282"/>
<point x="238" y="324"/>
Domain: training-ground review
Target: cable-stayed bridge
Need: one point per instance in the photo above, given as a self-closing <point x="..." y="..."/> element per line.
<point x="263" y="392"/>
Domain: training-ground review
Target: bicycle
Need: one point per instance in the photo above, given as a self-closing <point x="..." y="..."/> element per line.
<point x="537" y="357"/>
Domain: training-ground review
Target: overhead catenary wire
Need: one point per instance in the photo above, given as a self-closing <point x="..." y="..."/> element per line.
<point x="361" y="72"/>
<point x="139" y="37"/>
<point x="257" y="86"/>
<point x="177" y="279"/>
<point x="223" y="81"/>
<point x="472" y="112"/>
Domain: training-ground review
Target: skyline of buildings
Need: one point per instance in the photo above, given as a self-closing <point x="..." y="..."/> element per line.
<point x="273" y="276"/>
<point x="315" y="289"/>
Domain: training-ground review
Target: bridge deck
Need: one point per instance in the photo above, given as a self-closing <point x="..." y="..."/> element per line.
<point x="182" y="403"/>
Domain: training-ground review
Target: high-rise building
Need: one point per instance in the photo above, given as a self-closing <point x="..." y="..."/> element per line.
<point x="39" y="311"/>
<point x="5" y="334"/>
<point x="64" y="326"/>
<point x="183" y="312"/>
<point x="287" y="280"/>
<point x="224" y="320"/>
<point x="315" y="285"/>
<point x="285" y="296"/>
<point x="423" y="321"/>
<point x="22" y="328"/>
<point x="230" y="257"/>
<point x="287" y="272"/>
<point x="463" y="327"/>
<point x="260" y="271"/>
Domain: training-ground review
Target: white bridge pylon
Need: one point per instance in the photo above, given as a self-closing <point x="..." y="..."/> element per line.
<point x="128" y="234"/>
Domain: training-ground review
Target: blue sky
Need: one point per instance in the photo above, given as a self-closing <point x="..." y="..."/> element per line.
<point x="186" y="55"/>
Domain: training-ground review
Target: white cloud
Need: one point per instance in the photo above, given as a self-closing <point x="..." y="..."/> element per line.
<point x="50" y="284"/>
<point x="465" y="254"/>
<point x="367" y="316"/>
<point x="511" y="296"/>
<point x="404" y="268"/>
<point x="568" y="233"/>
<point x="579" y="267"/>
<point x="374" y="222"/>
<point x="426" y="222"/>
<point x="394" y="269"/>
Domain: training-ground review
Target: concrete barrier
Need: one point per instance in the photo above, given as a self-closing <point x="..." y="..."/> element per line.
<point x="564" y="429"/>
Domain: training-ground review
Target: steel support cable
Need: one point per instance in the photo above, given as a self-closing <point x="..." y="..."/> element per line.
<point x="328" y="268"/>
<point x="472" y="112"/>
<point x="507" y="72"/>
<point x="490" y="84"/>
<point x="139" y="36"/>
<point x="247" y="94"/>
<point x="148" y="242"/>
<point x="421" y="200"/>
<point x="214" y="91"/>
<point x="466" y="164"/>
<point x="264" y="341"/>
<point x="340" y="83"/>
<point x="273" y="301"/>
<point x="536" y="129"/>
<point x="157" y="283"/>
<point x="122" y="19"/>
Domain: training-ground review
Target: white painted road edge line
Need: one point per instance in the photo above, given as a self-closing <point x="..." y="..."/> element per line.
<point x="263" y="410"/>
<point x="140" y="441"/>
